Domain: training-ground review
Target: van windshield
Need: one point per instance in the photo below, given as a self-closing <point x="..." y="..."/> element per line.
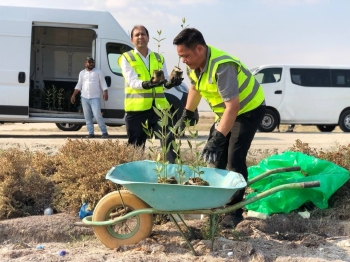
<point x="269" y="75"/>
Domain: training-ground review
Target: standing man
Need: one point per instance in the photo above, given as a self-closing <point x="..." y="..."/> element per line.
<point x="235" y="97"/>
<point x="141" y="92"/>
<point x="90" y="83"/>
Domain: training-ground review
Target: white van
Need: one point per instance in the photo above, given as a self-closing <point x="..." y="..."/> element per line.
<point x="42" y="52"/>
<point x="305" y="94"/>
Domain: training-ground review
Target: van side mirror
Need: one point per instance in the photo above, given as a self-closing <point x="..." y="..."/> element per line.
<point x="108" y="81"/>
<point x="21" y="77"/>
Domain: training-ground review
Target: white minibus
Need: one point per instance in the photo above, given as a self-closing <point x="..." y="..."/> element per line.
<point x="305" y="94"/>
<point x="43" y="50"/>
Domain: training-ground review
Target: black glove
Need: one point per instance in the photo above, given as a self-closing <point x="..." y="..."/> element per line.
<point x="186" y="115"/>
<point x="214" y="147"/>
<point x="150" y="84"/>
<point x="175" y="81"/>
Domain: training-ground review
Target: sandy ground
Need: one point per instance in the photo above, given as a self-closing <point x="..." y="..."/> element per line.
<point x="44" y="238"/>
<point x="48" y="137"/>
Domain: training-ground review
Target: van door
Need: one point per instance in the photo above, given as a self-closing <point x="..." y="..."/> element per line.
<point x="271" y="80"/>
<point x="309" y="93"/>
<point x="110" y="51"/>
<point x="15" y="42"/>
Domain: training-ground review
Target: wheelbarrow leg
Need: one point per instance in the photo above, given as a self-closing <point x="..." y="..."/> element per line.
<point x="182" y="234"/>
<point x="188" y="229"/>
<point x="213" y="223"/>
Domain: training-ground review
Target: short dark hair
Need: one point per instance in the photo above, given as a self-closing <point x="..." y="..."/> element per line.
<point x="189" y="37"/>
<point x="138" y="26"/>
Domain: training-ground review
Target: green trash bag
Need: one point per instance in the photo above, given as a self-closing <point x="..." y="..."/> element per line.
<point x="330" y="175"/>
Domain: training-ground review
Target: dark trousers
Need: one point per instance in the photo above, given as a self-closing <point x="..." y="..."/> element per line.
<point x="138" y="137"/>
<point x="236" y="149"/>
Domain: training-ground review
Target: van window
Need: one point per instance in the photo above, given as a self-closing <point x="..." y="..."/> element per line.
<point x="114" y="50"/>
<point x="340" y="78"/>
<point x="311" y="77"/>
<point x="269" y="75"/>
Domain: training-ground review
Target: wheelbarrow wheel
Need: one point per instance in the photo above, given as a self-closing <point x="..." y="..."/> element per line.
<point x="127" y="232"/>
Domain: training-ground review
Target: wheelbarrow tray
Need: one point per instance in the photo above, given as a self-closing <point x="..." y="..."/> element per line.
<point x="140" y="177"/>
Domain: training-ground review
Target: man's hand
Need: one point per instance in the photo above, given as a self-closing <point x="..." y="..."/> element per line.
<point x="175" y="81"/>
<point x="150" y="84"/>
<point x="187" y="115"/>
<point x="72" y="99"/>
<point x="105" y="95"/>
<point x="214" y="147"/>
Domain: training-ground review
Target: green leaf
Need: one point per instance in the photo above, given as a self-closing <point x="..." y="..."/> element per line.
<point x="160" y="123"/>
<point x="201" y="143"/>
<point x="158" y="135"/>
<point x="165" y="121"/>
<point x="189" y="144"/>
<point x="164" y="150"/>
<point x="145" y="125"/>
<point x="159" y="113"/>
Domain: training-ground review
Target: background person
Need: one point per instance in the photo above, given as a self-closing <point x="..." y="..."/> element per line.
<point x="235" y="97"/>
<point x="90" y="83"/>
<point x="141" y="93"/>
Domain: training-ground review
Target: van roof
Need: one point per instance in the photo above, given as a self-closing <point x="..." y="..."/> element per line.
<point x="103" y="20"/>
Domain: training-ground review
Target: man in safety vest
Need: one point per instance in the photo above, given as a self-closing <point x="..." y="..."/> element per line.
<point x="141" y="92"/>
<point x="235" y="97"/>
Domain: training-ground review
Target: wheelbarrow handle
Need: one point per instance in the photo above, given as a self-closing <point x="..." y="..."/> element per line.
<point x="292" y="168"/>
<point x="311" y="184"/>
<point x="273" y="171"/>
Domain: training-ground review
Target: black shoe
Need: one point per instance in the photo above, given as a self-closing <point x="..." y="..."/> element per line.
<point x="91" y="136"/>
<point x="231" y="220"/>
<point x="105" y="135"/>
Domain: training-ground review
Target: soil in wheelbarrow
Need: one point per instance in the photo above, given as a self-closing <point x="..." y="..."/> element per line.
<point x="279" y="238"/>
<point x="194" y="181"/>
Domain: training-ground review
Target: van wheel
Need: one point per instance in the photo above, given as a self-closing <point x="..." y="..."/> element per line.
<point x="269" y="122"/>
<point x="344" y="121"/>
<point x="68" y="126"/>
<point x="325" y="128"/>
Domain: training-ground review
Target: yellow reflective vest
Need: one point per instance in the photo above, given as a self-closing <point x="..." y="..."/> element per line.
<point x="251" y="94"/>
<point x="141" y="99"/>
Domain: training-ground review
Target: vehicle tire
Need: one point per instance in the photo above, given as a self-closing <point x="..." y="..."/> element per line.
<point x="69" y="126"/>
<point x="129" y="231"/>
<point x="325" y="128"/>
<point x="344" y="121"/>
<point x="269" y="122"/>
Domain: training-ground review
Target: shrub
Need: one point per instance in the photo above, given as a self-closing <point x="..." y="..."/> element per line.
<point x="19" y="184"/>
<point x="81" y="168"/>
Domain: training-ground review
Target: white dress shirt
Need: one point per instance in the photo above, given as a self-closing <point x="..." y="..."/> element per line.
<point x="130" y="75"/>
<point x="90" y="83"/>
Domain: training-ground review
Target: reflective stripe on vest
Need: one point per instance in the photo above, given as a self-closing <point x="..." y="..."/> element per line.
<point x="142" y="99"/>
<point x="250" y="92"/>
<point x="143" y="95"/>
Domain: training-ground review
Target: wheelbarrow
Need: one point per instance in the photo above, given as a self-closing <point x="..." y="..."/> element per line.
<point x="125" y="217"/>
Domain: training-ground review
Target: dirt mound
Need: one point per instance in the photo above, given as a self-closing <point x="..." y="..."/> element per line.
<point x="36" y="229"/>
<point x="279" y="238"/>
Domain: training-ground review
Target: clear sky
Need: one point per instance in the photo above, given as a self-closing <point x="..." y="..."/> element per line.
<point x="257" y="31"/>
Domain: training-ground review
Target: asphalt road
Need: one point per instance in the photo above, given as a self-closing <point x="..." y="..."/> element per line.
<point x="48" y="134"/>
